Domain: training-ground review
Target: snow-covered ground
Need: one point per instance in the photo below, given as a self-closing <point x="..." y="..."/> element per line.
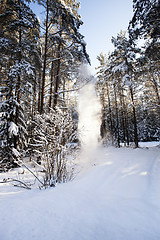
<point x="116" y="196"/>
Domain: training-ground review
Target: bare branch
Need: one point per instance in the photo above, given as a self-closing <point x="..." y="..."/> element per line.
<point x="20" y="162"/>
<point x="24" y="185"/>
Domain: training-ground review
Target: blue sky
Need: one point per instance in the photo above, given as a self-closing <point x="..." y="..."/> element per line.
<point x="102" y="20"/>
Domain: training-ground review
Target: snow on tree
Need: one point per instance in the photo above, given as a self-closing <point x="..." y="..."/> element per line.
<point x="51" y="144"/>
<point x="19" y="35"/>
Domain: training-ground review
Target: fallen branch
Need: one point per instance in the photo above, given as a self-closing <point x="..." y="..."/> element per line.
<point x="20" y="162"/>
<point x="24" y="185"/>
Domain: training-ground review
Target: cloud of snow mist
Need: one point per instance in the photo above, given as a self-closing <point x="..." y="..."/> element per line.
<point x="89" y="119"/>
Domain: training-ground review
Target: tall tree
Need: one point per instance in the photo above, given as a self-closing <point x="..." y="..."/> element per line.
<point x="125" y="64"/>
<point x="145" y="23"/>
<point x="19" y="36"/>
<point x="63" y="42"/>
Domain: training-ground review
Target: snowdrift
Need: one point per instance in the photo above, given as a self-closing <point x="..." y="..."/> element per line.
<point x="116" y="196"/>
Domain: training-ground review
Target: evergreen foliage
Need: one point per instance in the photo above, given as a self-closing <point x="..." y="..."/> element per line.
<point x="39" y="65"/>
<point x="36" y="69"/>
<point x="129" y="90"/>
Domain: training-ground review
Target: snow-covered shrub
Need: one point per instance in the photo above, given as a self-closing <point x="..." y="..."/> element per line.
<point x="12" y="132"/>
<point x="50" y="144"/>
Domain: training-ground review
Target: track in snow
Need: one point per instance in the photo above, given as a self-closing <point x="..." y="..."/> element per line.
<point x="116" y="197"/>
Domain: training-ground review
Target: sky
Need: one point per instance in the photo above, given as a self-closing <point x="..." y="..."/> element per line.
<point x="103" y="19"/>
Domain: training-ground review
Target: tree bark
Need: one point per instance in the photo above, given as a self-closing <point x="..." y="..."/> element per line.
<point x="156" y="89"/>
<point x="18" y="83"/>
<point x="134" y="119"/>
<point x="126" y="122"/>
<point x="45" y="60"/>
<point x="34" y="98"/>
<point x="122" y="116"/>
<point x="117" y="117"/>
<point x="51" y="87"/>
<point x="57" y="78"/>
<point x="103" y="124"/>
<point x="110" y="112"/>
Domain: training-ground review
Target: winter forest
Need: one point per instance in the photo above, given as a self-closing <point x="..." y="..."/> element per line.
<point x="61" y="124"/>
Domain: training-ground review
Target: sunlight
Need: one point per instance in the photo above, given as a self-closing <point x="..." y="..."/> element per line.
<point x="144" y="173"/>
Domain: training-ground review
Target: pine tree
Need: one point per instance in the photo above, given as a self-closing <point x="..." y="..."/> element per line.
<point x="125" y="65"/>
<point x="145" y="24"/>
<point x="19" y="35"/>
<point x="63" y="45"/>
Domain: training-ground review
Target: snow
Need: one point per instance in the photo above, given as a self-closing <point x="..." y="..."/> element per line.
<point x="89" y="110"/>
<point x="115" y="196"/>
<point x="13" y="129"/>
<point x="15" y="152"/>
<point x="148" y="144"/>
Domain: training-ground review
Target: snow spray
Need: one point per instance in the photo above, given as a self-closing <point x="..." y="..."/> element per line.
<point x="89" y="119"/>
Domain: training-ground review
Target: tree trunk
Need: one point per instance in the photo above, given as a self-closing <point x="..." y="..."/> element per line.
<point x="122" y="116"/>
<point x="110" y="113"/>
<point x="156" y="89"/>
<point x="18" y="83"/>
<point x="103" y="124"/>
<point x="134" y="119"/>
<point x="117" y="117"/>
<point x="34" y="98"/>
<point x="126" y="122"/>
<point x="45" y="60"/>
<point x="51" y="87"/>
<point x="39" y="92"/>
<point x="57" y="77"/>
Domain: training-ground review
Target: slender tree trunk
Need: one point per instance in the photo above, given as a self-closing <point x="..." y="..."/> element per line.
<point x="110" y="113"/>
<point x="45" y="60"/>
<point x="117" y="117"/>
<point x="156" y="89"/>
<point x="57" y="78"/>
<point x="18" y="84"/>
<point x="134" y="119"/>
<point x="126" y="122"/>
<point x="103" y="124"/>
<point x="64" y="88"/>
<point x="51" y="87"/>
<point x="34" y="98"/>
<point x="39" y="92"/>
<point x="122" y="116"/>
<point x="126" y="127"/>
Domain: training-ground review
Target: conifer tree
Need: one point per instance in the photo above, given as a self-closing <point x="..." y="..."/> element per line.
<point x="19" y="37"/>
<point x="145" y="24"/>
<point x="63" y="44"/>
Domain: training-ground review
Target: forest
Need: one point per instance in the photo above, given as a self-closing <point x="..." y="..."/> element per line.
<point x="79" y="153"/>
<point x="40" y="78"/>
<point x="128" y="79"/>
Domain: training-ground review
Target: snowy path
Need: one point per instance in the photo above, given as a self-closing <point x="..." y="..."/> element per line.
<point x="117" y="198"/>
